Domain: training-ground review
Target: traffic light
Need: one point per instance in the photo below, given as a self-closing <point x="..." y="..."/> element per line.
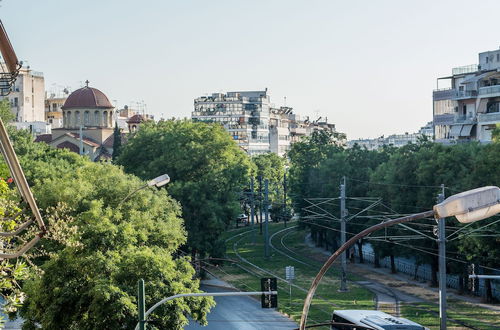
<point x="269" y="300"/>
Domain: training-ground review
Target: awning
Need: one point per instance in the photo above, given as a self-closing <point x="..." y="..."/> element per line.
<point x="455" y="130"/>
<point x="478" y="77"/>
<point x="466" y="130"/>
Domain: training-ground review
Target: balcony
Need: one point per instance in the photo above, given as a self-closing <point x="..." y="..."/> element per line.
<point x="488" y="117"/>
<point x="465" y="119"/>
<point x="489" y="91"/>
<point x="298" y="131"/>
<point x="465" y="69"/>
<point x="443" y="94"/>
<point x="461" y="95"/>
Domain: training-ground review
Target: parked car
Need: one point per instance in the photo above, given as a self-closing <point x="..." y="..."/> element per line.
<point x="243" y="218"/>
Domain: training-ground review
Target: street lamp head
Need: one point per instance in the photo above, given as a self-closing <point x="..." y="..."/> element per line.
<point x="159" y="181"/>
<point x="471" y="205"/>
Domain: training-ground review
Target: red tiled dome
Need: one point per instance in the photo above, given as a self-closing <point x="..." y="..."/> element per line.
<point x="87" y="97"/>
<point x="135" y="119"/>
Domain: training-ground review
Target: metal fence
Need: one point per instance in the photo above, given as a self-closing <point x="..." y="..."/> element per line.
<point x="424" y="273"/>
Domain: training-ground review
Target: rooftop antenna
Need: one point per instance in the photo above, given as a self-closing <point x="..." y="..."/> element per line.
<point x="316" y="113"/>
<point x="284" y="101"/>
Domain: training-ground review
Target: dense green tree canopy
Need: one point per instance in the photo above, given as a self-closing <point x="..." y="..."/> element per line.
<point x="408" y="180"/>
<point x="207" y="169"/>
<point x="270" y="166"/>
<point x="97" y="249"/>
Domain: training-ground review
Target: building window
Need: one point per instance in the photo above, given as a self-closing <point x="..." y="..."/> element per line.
<point x="493" y="107"/>
<point x="68" y="119"/>
<point x="86" y="118"/>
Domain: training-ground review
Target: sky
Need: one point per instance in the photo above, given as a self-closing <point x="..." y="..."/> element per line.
<point x="368" y="66"/>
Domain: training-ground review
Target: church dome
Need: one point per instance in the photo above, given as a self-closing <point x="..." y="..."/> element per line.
<point x="87" y="97"/>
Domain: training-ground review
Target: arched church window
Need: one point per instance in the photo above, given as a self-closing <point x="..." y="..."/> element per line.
<point x="96" y="118"/>
<point x="86" y="118"/>
<point x="77" y="119"/>
<point x="68" y="119"/>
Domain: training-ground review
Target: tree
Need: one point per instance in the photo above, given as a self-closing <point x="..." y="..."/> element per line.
<point x="117" y="141"/>
<point x="305" y="157"/>
<point x="13" y="272"/>
<point x="5" y="114"/>
<point x="208" y="172"/>
<point x="495" y="134"/>
<point x="270" y="166"/>
<point x="90" y="268"/>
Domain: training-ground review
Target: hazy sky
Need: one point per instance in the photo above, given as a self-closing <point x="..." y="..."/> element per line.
<point x="369" y="66"/>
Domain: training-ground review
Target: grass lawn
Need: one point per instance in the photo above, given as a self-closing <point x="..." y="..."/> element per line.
<point x="321" y="309"/>
<point x="426" y="314"/>
<point x="458" y="310"/>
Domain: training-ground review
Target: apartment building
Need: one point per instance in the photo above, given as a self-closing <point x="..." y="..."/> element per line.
<point x="394" y="140"/>
<point x="245" y="115"/>
<point x="54" y="101"/>
<point x="280" y="121"/>
<point x="27" y="99"/>
<point x="469" y="109"/>
<point x="254" y="123"/>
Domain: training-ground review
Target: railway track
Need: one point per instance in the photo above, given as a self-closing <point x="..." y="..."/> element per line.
<point x="394" y="308"/>
<point x="281" y="248"/>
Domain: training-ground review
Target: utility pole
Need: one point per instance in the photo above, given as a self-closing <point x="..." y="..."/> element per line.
<point x="442" y="265"/>
<point x="81" y="139"/>
<point x="343" y="280"/>
<point x="285" y="214"/>
<point x="141" y="304"/>
<point x="260" y="204"/>
<point x="266" y="213"/>
<point x="252" y="211"/>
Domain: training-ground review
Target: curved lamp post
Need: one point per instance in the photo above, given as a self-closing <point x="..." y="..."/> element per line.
<point x="157" y="182"/>
<point x="468" y="206"/>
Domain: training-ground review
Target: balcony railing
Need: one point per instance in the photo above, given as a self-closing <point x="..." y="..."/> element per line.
<point x="464" y="119"/>
<point x="298" y="130"/>
<point x="465" y="94"/>
<point x="493" y="116"/>
<point x="489" y="90"/>
<point x="443" y="94"/>
<point x="465" y="69"/>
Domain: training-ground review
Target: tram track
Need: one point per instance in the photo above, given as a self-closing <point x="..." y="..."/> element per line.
<point x="284" y="250"/>
<point x="379" y="288"/>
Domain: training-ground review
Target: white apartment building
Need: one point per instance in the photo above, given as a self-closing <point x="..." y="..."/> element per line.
<point x="245" y="115"/>
<point x="279" y="129"/>
<point x="256" y="125"/>
<point x="27" y="99"/>
<point x="53" y="104"/>
<point x="470" y="109"/>
<point x="395" y="140"/>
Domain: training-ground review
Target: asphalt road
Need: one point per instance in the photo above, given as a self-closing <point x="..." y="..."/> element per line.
<point x="241" y="313"/>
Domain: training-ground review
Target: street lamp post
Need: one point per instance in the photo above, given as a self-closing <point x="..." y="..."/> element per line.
<point x="158" y="182"/>
<point x="468" y="206"/>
